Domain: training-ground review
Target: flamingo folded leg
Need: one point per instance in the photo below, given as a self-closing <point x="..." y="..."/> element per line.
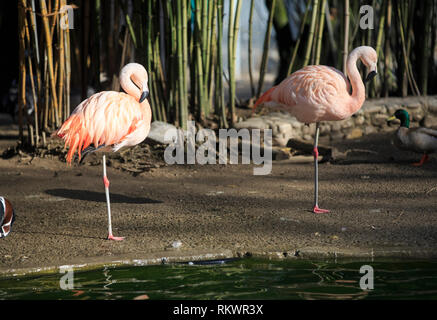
<point x="424" y="159"/>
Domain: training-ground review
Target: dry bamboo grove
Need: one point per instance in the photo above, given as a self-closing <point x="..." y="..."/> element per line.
<point x="191" y="62"/>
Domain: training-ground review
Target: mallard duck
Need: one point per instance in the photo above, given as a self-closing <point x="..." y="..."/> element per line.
<point x="7" y="217"/>
<point x="420" y="140"/>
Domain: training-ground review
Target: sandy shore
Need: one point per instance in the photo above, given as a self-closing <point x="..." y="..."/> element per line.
<point x="381" y="206"/>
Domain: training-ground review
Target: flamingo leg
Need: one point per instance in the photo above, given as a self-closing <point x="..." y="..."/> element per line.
<point x="316" y="208"/>
<point x="106" y="183"/>
<point x="422" y="161"/>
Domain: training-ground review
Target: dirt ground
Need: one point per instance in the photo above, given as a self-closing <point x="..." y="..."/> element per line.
<point x="379" y="205"/>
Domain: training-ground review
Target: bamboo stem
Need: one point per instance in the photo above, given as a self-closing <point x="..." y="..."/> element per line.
<point x="266" y="48"/>
<point x="296" y="47"/>
<point x="346" y="34"/>
<point x="320" y="33"/>
<point x="311" y="33"/>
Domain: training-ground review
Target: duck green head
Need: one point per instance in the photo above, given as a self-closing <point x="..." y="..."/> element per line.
<point x="403" y="116"/>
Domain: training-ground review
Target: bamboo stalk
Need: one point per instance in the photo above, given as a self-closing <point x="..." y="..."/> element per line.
<point x="320" y="33"/>
<point x="381" y="28"/>
<point x="387" y="48"/>
<point x="230" y="51"/>
<point x="220" y="96"/>
<point x="249" y="53"/>
<point x="296" y="47"/>
<point x="61" y="71"/>
<point x="232" y="43"/>
<point x="67" y="69"/>
<point x="199" y="64"/>
<point x="266" y="48"/>
<point x="22" y="64"/>
<point x="425" y="54"/>
<point x="311" y="33"/>
<point x="34" y="96"/>
<point x="129" y="24"/>
<point x="410" y="75"/>
<point x="346" y="34"/>
<point x="209" y="50"/>
<point x="182" y="94"/>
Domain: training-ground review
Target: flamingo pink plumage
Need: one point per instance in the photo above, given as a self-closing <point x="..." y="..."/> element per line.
<point x="322" y="93"/>
<point x="110" y="120"/>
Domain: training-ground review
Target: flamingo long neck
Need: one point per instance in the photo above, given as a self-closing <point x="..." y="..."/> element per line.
<point x="128" y="86"/>
<point x="358" y="91"/>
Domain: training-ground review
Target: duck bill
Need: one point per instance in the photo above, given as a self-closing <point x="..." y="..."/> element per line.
<point x="370" y="76"/>
<point x="389" y="120"/>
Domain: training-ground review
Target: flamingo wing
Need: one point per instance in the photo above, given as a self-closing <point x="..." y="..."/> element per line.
<point x="310" y="94"/>
<point x="104" y="119"/>
<point x="315" y="85"/>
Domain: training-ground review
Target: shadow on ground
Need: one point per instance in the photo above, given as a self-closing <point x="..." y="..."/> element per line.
<point x="97" y="196"/>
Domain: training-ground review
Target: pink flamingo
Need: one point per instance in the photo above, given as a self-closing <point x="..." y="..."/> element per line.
<point x="321" y="93"/>
<point x="110" y="120"/>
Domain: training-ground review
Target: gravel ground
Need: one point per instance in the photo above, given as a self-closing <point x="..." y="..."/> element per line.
<point x="380" y="205"/>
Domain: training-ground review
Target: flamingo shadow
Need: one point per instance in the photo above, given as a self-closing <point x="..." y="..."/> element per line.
<point x="87" y="195"/>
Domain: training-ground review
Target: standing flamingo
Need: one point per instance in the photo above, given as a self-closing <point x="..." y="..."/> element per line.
<point x="110" y="120"/>
<point x="321" y="93"/>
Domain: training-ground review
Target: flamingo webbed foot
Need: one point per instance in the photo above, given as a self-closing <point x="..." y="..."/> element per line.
<point x="111" y="237"/>
<point x="316" y="209"/>
<point x="424" y="159"/>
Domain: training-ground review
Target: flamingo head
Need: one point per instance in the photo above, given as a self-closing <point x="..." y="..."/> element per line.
<point x="137" y="74"/>
<point x="370" y="60"/>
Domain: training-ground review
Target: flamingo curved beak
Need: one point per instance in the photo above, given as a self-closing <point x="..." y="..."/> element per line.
<point x="144" y="95"/>
<point x="370" y="76"/>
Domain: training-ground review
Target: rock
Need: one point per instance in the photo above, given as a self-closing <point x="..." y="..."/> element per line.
<point x="418" y="115"/>
<point x="430" y="121"/>
<point x="432" y="105"/>
<point x="374" y="109"/>
<point x="413" y="104"/>
<point x="281" y="139"/>
<point x="392" y="108"/>
<point x="335" y="126"/>
<point x="359" y="120"/>
<point x="158" y="130"/>
<point x="337" y="136"/>
<point x="283" y="154"/>
<point x="306" y="130"/>
<point x="325" y="129"/>
<point x="252" y="123"/>
<point x="296" y="124"/>
<point x="307" y="137"/>
<point x="348" y="123"/>
<point x="355" y="133"/>
<point x="285" y="128"/>
<point x="379" y="120"/>
<point x="369" y="130"/>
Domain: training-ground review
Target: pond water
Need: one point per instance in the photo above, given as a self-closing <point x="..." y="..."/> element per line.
<point x="236" y="279"/>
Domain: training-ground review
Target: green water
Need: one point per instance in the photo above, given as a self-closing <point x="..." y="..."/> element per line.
<point x="239" y="279"/>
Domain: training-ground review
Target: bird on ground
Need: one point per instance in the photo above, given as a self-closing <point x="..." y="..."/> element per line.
<point x="108" y="121"/>
<point x="320" y="93"/>
<point x="7" y="217"/>
<point x="420" y="140"/>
